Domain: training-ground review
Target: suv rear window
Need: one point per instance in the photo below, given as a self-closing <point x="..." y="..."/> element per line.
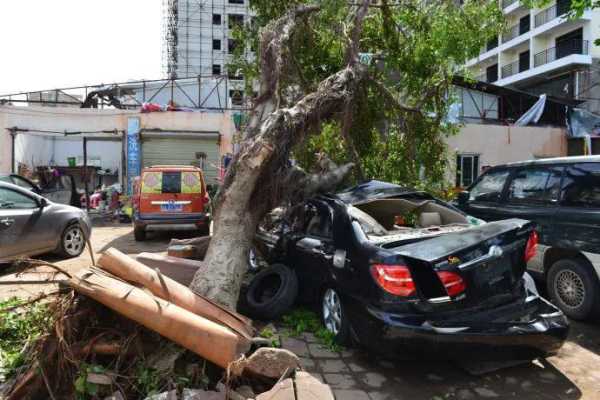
<point x="581" y="186"/>
<point x="171" y="182"/>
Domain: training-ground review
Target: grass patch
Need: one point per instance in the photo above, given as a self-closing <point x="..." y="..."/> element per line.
<point x="20" y="326"/>
<point x="302" y="320"/>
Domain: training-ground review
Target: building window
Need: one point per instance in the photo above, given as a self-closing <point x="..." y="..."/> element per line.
<point x="235" y="75"/>
<point x="216" y="19"/>
<point x="216" y="69"/>
<point x="236" y="1"/>
<point x="216" y="44"/>
<point x="237" y="97"/>
<point x="231" y="45"/>
<point x="467" y="169"/>
<point x="234" y="20"/>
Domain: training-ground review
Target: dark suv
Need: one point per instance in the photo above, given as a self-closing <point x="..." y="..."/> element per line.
<point x="562" y="196"/>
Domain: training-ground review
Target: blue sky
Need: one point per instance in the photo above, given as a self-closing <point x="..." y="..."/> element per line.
<point x="48" y="44"/>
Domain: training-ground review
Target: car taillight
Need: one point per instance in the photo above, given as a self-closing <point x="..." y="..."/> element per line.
<point x="453" y="283"/>
<point x="206" y="199"/>
<point x="531" y="247"/>
<point x="394" y="279"/>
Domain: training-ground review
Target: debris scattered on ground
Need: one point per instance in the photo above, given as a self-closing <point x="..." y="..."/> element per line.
<point x="162" y="342"/>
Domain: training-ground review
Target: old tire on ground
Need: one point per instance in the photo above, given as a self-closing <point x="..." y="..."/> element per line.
<point x="72" y="241"/>
<point x="334" y="317"/>
<point x="271" y="293"/>
<point x="574" y="288"/>
<point x="139" y="234"/>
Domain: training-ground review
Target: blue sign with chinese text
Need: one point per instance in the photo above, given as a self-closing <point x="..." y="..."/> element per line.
<point x="133" y="152"/>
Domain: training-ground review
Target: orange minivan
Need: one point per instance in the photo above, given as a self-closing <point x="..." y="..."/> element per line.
<point x="170" y="198"/>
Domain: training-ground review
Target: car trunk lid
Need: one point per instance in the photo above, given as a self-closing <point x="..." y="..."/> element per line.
<point x="489" y="258"/>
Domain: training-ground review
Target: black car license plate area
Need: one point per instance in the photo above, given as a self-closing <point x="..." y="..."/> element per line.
<point x="492" y="277"/>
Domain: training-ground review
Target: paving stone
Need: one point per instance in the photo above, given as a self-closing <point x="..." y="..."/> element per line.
<point x="295" y="346"/>
<point x="310" y="338"/>
<point x="434" y="378"/>
<point x="319" y="351"/>
<point x="464" y="394"/>
<point x="386" y="364"/>
<point x="347" y="353"/>
<point x="350" y="395"/>
<point x="373" y="379"/>
<point x="308" y="364"/>
<point x="385" y="396"/>
<point x="354" y="367"/>
<point x="333" y="366"/>
<point x="340" y="381"/>
<point x="484" y="392"/>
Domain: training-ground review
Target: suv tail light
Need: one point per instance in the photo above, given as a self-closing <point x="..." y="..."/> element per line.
<point x="394" y="279"/>
<point x="531" y="247"/>
<point x="453" y="283"/>
<point x="206" y="199"/>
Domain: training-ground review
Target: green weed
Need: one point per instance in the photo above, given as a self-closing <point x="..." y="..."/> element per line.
<point x="302" y="320"/>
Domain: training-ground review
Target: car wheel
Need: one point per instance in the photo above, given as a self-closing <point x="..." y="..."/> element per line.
<point x="333" y="316"/>
<point x="72" y="241"/>
<point x="574" y="288"/>
<point x="253" y="260"/>
<point x="139" y="234"/>
<point x="272" y="292"/>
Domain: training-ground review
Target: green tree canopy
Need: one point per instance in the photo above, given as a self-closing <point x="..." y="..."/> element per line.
<point x="414" y="48"/>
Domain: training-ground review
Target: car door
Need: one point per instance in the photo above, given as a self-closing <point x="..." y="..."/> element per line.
<point x="486" y="194"/>
<point x="20" y="220"/>
<point x="577" y="221"/>
<point x="533" y="193"/>
<point x="313" y="250"/>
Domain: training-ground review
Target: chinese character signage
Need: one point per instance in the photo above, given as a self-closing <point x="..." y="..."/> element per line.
<point x="133" y="152"/>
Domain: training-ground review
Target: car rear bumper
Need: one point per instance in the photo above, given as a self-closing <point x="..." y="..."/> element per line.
<point x="169" y="223"/>
<point x="523" y="330"/>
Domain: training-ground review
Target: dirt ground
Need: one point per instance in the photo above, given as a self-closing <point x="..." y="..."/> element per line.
<point x="573" y="374"/>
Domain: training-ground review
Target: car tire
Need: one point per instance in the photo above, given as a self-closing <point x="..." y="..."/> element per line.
<point x="334" y="317"/>
<point x="574" y="288"/>
<point x="271" y="293"/>
<point x="72" y="241"/>
<point x="139" y="234"/>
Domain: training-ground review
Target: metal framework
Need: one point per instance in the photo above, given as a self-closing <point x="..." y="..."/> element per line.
<point x="201" y="92"/>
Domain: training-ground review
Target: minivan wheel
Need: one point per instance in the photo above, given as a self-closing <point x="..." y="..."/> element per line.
<point x="139" y="233"/>
<point x="574" y="288"/>
<point x="271" y="293"/>
<point x="334" y="317"/>
<point x="72" y="241"/>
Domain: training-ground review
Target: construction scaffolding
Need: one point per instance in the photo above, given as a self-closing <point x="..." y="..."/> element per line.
<point x="198" y="35"/>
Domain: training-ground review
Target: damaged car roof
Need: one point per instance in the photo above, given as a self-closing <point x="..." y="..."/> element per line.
<point x="373" y="190"/>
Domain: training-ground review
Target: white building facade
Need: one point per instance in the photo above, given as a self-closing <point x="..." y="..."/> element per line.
<point x="543" y="51"/>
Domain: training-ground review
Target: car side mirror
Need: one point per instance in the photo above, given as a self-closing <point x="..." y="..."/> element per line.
<point x="43" y="202"/>
<point x="463" y="198"/>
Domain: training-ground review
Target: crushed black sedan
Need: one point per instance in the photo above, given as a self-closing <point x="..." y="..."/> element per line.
<point x="410" y="276"/>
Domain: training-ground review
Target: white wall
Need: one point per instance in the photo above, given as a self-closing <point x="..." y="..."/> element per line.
<point x="33" y="149"/>
<point x="500" y="144"/>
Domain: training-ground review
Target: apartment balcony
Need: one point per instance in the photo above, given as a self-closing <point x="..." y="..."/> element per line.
<point x="551" y="13"/>
<point x="563" y="49"/>
<point x="508" y="3"/>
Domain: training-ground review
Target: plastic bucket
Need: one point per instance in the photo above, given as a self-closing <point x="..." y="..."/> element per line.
<point x="72" y="161"/>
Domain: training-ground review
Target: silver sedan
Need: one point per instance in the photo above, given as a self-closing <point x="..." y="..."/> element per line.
<point x="31" y="224"/>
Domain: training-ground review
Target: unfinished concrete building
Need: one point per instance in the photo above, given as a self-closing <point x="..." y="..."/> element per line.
<point x="198" y="36"/>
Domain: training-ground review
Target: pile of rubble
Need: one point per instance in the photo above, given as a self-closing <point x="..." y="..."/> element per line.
<point x="111" y="318"/>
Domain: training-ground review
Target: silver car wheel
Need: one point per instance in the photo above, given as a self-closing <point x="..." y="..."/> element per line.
<point x="332" y="311"/>
<point x="73" y="241"/>
<point x="570" y="288"/>
<point x="252" y="260"/>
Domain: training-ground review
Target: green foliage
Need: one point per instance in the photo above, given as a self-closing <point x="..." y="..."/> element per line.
<point x="83" y="388"/>
<point x="417" y="48"/>
<point x="148" y="379"/>
<point x="301" y="320"/>
<point x="19" y="328"/>
<point x="268" y="333"/>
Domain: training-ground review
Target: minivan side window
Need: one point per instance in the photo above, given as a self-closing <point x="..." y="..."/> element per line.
<point x="535" y="186"/>
<point x="489" y="188"/>
<point x="581" y="186"/>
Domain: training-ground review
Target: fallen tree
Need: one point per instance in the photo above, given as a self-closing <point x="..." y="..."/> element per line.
<point x="310" y="75"/>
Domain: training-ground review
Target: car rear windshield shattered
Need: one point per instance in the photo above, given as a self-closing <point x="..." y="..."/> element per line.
<point x="386" y="220"/>
<point x="171" y="182"/>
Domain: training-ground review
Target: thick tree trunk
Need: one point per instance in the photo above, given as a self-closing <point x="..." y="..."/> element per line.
<point x="256" y="180"/>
